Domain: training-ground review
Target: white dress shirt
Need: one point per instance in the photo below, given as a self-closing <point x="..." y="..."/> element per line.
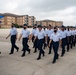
<point x="13" y="31"/>
<point x="34" y="31"/>
<point x="63" y="34"/>
<point x="25" y="33"/>
<point x="46" y="31"/>
<point x="49" y="32"/>
<point x="59" y="30"/>
<point x="40" y="34"/>
<point x="72" y="32"/>
<point x="68" y="33"/>
<point x="55" y="37"/>
<point x="75" y="32"/>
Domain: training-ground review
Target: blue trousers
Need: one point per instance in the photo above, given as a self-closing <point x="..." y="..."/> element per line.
<point x="55" y="48"/>
<point x="25" y="45"/>
<point x="50" y="48"/>
<point x="63" y="46"/>
<point x="13" y="41"/>
<point x="40" y="45"/>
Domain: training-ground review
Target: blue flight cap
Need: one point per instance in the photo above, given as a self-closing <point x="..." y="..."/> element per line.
<point x="39" y="26"/>
<point x="25" y="25"/>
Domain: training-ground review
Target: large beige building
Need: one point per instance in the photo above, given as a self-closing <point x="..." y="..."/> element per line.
<point x="47" y="22"/>
<point x="20" y="20"/>
<point x="30" y="20"/>
<point x="8" y="19"/>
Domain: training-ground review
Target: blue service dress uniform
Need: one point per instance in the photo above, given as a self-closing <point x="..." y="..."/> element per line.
<point x="49" y="32"/>
<point x="25" y="34"/>
<point x="34" y="31"/>
<point x="13" y="33"/>
<point x="64" y="35"/>
<point x="55" y="38"/>
<point x="40" y="35"/>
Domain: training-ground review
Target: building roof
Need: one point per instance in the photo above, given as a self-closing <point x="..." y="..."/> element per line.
<point x="10" y="14"/>
<point x="46" y="20"/>
<point x="14" y="15"/>
<point x="59" y="21"/>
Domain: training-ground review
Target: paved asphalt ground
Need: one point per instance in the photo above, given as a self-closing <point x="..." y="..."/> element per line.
<point x="28" y="65"/>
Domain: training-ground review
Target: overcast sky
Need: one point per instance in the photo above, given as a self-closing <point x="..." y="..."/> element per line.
<point x="59" y="10"/>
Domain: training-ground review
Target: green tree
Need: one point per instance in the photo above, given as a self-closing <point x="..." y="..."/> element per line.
<point x="16" y="25"/>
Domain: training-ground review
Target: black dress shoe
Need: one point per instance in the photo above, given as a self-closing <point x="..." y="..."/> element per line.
<point x="38" y="58"/>
<point x="49" y="53"/>
<point x="22" y="50"/>
<point x="22" y="55"/>
<point x="17" y="49"/>
<point x="43" y="54"/>
<point x="29" y="51"/>
<point x="0" y="52"/>
<point x="54" y="62"/>
<point x="67" y="50"/>
<point x="35" y="51"/>
<point x="57" y="57"/>
<point x="33" y="47"/>
<point x="62" y="55"/>
<point x="10" y="53"/>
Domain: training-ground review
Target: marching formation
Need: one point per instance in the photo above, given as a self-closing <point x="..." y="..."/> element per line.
<point x="42" y="37"/>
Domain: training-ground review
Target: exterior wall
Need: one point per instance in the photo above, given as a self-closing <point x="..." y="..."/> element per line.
<point x="10" y="20"/>
<point x="34" y="20"/>
<point x="30" y="20"/>
<point x="20" y="21"/>
<point x="7" y="21"/>
<point x="44" y="24"/>
<point x="52" y="23"/>
<point x="59" y="23"/>
<point x="38" y="23"/>
<point x="25" y="19"/>
<point x="2" y="21"/>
